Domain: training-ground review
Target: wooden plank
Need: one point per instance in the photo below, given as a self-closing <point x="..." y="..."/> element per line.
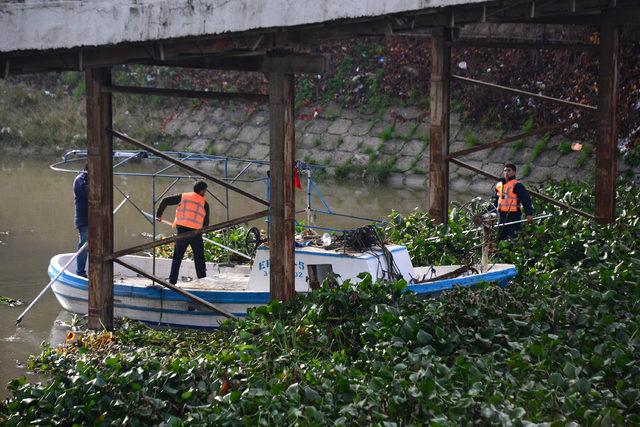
<point x="525" y="93"/>
<point x="284" y="62"/>
<point x="282" y="208"/>
<point x="186" y="166"/>
<point x="287" y="62"/>
<point x="188" y="235"/>
<point x="439" y="126"/>
<point x="99" y="149"/>
<point x="532" y="192"/>
<point x="178" y="290"/>
<point x="522" y="45"/>
<point x="499" y="142"/>
<point x="607" y="131"/>
<point x="183" y="93"/>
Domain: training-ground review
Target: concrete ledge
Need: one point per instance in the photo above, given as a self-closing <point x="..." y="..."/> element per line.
<point x="56" y="24"/>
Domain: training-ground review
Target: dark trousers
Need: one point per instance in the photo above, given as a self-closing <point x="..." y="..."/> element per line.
<point x="81" y="261"/>
<point x="197" y="246"/>
<point x="509" y="231"/>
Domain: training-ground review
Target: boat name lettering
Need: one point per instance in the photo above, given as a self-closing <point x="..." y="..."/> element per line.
<point x="264" y="265"/>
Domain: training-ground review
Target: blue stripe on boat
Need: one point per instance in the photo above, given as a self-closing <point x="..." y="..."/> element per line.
<point x="153" y="309"/>
<point x="161" y="293"/>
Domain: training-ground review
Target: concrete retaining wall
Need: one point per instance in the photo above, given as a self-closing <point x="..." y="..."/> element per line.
<point x="334" y="137"/>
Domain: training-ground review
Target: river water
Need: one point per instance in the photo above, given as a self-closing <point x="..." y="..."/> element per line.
<point x="36" y="222"/>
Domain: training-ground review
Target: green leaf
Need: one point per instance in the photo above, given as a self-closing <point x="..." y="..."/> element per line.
<point x="424" y="337"/>
<point x="569" y="370"/>
<point x="556" y="379"/>
<point x="407" y="331"/>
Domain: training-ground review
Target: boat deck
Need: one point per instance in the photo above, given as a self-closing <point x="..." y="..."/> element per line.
<point x="221" y="281"/>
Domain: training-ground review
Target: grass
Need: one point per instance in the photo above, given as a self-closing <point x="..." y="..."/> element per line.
<point x="564" y="147"/>
<point x="585" y="155"/>
<point x="387" y="133"/>
<point x="409" y="134"/>
<point x="425" y="141"/>
<point x="50" y="121"/>
<point x="540" y="146"/>
<point x="518" y="145"/>
<point x="528" y="125"/>
<point x="471" y="139"/>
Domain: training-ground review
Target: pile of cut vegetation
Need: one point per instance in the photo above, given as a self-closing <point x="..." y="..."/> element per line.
<point x="560" y="345"/>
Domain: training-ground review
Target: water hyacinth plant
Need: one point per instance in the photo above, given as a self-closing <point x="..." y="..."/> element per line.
<point x="560" y="345"/>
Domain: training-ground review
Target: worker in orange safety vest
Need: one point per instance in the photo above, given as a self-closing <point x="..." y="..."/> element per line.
<point x="192" y="213"/>
<point x="510" y="195"/>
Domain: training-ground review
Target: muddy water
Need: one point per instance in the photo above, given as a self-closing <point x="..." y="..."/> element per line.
<point x="36" y="222"/>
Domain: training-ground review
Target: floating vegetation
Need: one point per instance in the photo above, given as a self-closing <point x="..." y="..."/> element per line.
<point x="10" y="301"/>
<point x="560" y="346"/>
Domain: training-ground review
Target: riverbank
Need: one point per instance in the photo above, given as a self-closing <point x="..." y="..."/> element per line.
<point x="560" y="345"/>
<point x="388" y="145"/>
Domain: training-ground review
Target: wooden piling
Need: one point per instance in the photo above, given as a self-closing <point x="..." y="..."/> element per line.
<point x="607" y="132"/>
<point x="282" y="203"/>
<point x="100" y="164"/>
<point x="439" y="126"/>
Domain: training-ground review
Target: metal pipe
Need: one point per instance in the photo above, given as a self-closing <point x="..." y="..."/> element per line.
<point x="525" y="93"/>
<point x="213" y="242"/>
<point x="542" y="216"/>
<point x="162" y="155"/>
<point x="187" y="235"/>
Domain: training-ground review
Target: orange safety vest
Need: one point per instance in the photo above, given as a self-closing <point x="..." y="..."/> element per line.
<point x="190" y="212"/>
<point x="507" y="199"/>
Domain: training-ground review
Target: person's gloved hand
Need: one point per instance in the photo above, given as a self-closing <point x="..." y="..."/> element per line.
<point x="159" y="219"/>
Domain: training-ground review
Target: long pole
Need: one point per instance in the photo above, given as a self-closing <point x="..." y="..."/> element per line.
<point x="207" y="240"/>
<point x="543" y="216"/>
<point x="64" y="268"/>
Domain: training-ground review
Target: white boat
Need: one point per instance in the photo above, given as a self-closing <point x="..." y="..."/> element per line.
<point x="237" y="288"/>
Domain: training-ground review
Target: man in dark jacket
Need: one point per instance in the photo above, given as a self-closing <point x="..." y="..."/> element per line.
<point x="192" y="213"/>
<point x="81" y="196"/>
<point x="509" y="196"/>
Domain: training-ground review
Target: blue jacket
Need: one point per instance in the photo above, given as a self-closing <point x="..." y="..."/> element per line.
<point x="81" y="193"/>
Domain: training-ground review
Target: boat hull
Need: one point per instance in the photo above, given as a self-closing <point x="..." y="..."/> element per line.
<point x="157" y="305"/>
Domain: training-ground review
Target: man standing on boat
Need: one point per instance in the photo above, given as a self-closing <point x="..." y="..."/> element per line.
<point x="192" y="213"/>
<point x="510" y="194"/>
<point x="81" y="199"/>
